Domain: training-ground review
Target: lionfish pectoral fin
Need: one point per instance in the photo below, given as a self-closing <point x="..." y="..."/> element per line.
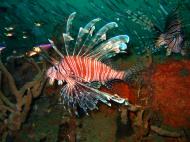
<point x="106" y="97"/>
<point x="79" y="96"/>
<point x="87" y="97"/>
<point x="119" y="100"/>
<point x="94" y="84"/>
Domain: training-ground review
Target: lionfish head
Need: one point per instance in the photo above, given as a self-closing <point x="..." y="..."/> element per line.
<point x="51" y="74"/>
<point x="161" y="41"/>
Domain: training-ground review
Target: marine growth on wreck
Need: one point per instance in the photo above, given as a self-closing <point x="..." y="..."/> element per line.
<point x="94" y="71"/>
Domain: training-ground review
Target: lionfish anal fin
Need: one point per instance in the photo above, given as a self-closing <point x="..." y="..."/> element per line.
<point x="87" y="97"/>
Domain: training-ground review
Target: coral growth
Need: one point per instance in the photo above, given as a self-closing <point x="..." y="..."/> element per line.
<point x="15" y="102"/>
<point x="171" y="82"/>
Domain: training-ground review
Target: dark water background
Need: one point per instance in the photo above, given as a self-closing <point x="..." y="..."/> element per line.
<point x="52" y="14"/>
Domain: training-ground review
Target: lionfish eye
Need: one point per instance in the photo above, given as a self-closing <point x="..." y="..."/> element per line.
<point x="54" y="67"/>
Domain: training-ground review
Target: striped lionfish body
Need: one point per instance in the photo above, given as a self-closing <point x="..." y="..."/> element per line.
<point x="84" y="63"/>
<point x="172" y="37"/>
<point x="87" y="69"/>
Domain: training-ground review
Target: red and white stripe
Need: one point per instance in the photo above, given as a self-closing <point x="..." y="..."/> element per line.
<point x="88" y="69"/>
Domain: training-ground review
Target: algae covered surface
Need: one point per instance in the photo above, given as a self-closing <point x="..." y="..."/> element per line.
<point x="31" y="110"/>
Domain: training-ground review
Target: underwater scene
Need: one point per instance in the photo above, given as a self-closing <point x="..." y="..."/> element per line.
<point x="94" y="70"/>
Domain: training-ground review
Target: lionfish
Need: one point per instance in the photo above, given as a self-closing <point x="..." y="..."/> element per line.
<point x="171" y="37"/>
<point x="85" y="63"/>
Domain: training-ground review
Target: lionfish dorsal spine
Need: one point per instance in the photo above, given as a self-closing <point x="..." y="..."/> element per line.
<point x="89" y="46"/>
<point x="66" y="36"/>
<point x="86" y="41"/>
<point x="83" y="31"/>
<point x="113" y="44"/>
<point x="69" y="22"/>
<point x="98" y="36"/>
<point x="55" y="48"/>
<point x="48" y="58"/>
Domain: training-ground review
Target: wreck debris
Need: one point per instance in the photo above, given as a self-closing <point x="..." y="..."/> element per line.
<point x="144" y="119"/>
<point x="144" y="123"/>
<point x="124" y="115"/>
<point x="164" y="132"/>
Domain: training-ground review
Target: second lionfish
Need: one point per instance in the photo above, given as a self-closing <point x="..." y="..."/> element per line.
<point x="171" y="37"/>
<point x="84" y="63"/>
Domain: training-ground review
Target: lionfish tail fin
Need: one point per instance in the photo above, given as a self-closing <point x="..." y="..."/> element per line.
<point x="87" y="98"/>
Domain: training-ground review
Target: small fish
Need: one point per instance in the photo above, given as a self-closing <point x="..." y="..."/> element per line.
<point x="9" y="34"/>
<point x="86" y="65"/>
<point x="9" y="28"/>
<point x="172" y="37"/>
<point x="38" y="24"/>
<point x="38" y="49"/>
<point x="43" y="46"/>
<point x="2" y="48"/>
<point x="31" y="53"/>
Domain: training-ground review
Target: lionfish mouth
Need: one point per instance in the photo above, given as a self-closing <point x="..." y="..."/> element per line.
<point x="52" y="80"/>
<point x="160" y="41"/>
